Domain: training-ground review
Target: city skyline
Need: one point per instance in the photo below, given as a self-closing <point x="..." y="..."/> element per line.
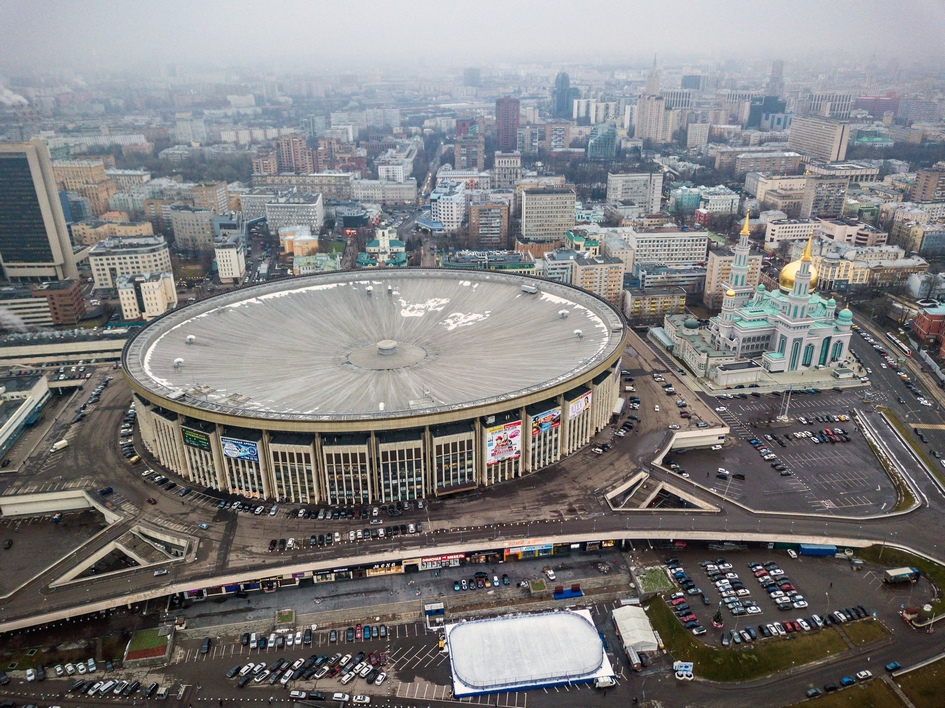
<point x="108" y="35"/>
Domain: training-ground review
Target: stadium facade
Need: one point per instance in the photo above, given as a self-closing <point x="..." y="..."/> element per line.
<point x="352" y="388"/>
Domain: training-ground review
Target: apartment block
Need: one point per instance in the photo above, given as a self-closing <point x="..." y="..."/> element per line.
<point x="193" y="228"/>
<point x="823" y="138"/>
<point x="547" y="214"/>
<point x="86" y="178"/>
<point x="648" y="305"/>
<point x="489" y="225"/>
<point x="507" y="169"/>
<point x="642" y="188"/>
<point x="145" y="296"/>
<point x="116" y="256"/>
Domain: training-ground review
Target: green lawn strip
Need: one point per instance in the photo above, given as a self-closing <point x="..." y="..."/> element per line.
<point x="906" y="498"/>
<point x="654" y="580"/>
<point x="924" y="686"/>
<point x="865" y="632"/>
<point x="894" y="558"/>
<point x="907" y="436"/>
<point x="872" y="694"/>
<point x="745" y="662"/>
<point x="336" y="247"/>
<point x="147" y="639"/>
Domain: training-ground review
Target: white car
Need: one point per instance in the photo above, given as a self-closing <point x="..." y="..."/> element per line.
<point x="657" y="408"/>
<point x="381" y="678"/>
<point x="721" y="408"/>
<point x="290" y="640"/>
<point x="863" y="675"/>
<point x="30" y="675"/>
<point x="716" y="447"/>
<point x="361" y="699"/>
<point x="674" y="427"/>
<point x="298" y="643"/>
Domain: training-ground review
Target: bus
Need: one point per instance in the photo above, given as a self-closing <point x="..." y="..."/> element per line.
<point x="898" y="344"/>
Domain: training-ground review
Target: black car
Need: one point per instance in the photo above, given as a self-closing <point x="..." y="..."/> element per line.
<point x="244" y="640"/>
<point x="316" y="696"/>
<point x="205" y="647"/>
<point x="152" y="689"/>
<point x="131" y="688"/>
<point x="233" y="671"/>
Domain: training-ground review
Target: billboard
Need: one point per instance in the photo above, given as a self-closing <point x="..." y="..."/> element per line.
<point x="504" y="442"/>
<point x="240" y="449"/>
<point x="546" y="421"/>
<point x="579" y="405"/>
<point x="196" y="438"/>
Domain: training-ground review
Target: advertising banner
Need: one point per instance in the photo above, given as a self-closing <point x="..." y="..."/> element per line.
<point x="240" y="449"/>
<point x="546" y="421"/>
<point x="196" y="438"/>
<point x="504" y="442"/>
<point x="579" y="405"/>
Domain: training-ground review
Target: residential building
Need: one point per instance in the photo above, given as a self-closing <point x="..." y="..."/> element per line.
<point x="188" y="129"/>
<point x="668" y="246"/>
<point x="34" y="239"/>
<point x="88" y="233"/>
<point x="547" y="214"/>
<point x="928" y="240"/>
<point x="126" y="180"/>
<point x="823" y="196"/>
<point x="489" y="225"/>
<point x="507" y="169"/>
<point x="64" y="300"/>
<point x="294" y="155"/>
<point x="469" y="153"/>
<point x="448" y="204"/>
<point x="193" y="229"/>
<point x="824" y="138"/>
<point x="775" y="162"/>
<point x="718" y="200"/>
<point x="471" y="179"/>
<point x="86" y="178"/>
<point x="929" y="185"/>
<point x="331" y="185"/>
<point x="758" y="184"/>
<point x="212" y="196"/>
<point x="296" y="208"/>
<point x="650" y="119"/>
<point x="532" y="181"/>
<point x="613" y="244"/>
<point x="116" y="256"/>
<point x="642" y="188"/>
<point x="850" y="231"/>
<point x="928" y="326"/>
<point x="653" y="304"/>
<point x="697" y="134"/>
<point x="506" y="123"/>
<point x="557" y="137"/>
<point x="229" y="252"/>
<point x="146" y="295"/>
<point x="396" y="165"/>
<point x="379" y="192"/>
<point x="601" y="275"/>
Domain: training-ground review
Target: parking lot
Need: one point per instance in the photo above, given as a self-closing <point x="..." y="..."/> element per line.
<point x="839" y="476"/>
<point x="822" y="586"/>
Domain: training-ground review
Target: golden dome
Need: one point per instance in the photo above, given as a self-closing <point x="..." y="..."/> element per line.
<point x="730" y="293"/>
<point x="788" y="273"/>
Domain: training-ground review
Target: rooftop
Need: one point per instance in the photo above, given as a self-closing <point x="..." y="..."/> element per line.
<point x="381" y="345"/>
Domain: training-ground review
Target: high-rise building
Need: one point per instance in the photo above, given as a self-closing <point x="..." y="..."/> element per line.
<point x="212" y="196"/>
<point x="823" y="196"/>
<point x="448" y="204"/>
<point x="469" y="152"/>
<point x="34" y="240"/>
<point x="602" y="143"/>
<point x="929" y="185"/>
<point x="828" y="104"/>
<point x="547" y="214"/>
<point x="193" y="228"/>
<point x="507" y="170"/>
<point x="694" y="82"/>
<point x="489" y="225"/>
<point x="117" y="256"/>
<point x="506" y="123"/>
<point x="641" y="188"/>
<point x="650" y="118"/>
<point x="814" y="136"/>
<point x="561" y="96"/>
<point x="776" y="82"/>
<point x="653" y="81"/>
<point x="294" y="155"/>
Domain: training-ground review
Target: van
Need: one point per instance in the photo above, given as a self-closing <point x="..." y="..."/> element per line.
<point x="604" y="682"/>
<point x="162" y="693"/>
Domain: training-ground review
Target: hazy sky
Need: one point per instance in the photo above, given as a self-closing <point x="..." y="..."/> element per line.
<point x="310" y="35"/>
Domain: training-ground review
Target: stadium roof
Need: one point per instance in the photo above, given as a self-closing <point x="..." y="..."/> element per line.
<point x="373" y="345"/>
<point x="525" y="651"/>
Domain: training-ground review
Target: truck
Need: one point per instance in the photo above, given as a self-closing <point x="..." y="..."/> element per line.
<point x="817" y="549"/>
<point x="61" y="445"/>
<point x="900" y="575"/>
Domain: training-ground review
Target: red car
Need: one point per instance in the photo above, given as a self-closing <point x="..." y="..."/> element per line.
<point x="678" y="601"/>
<point x="382" y="658"/>
<point x="357" y="631"/>
<point x="152" y="500"/>
<point x="372" y="659"/>
<point x="688" y="618"/>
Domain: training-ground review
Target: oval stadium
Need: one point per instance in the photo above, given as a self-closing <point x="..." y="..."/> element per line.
<point x="381" y="387"/>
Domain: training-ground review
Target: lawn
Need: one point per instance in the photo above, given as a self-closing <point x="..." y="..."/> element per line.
<point x="924" y="686"/>
<point x="865" y="632"/>
<point x="147" y="639"/>
<point x="285" y="617"/>
<point x="336" y="247"/>
<point x="752" y="661"/>
<point x="893" y="558"/>
<point x="654" y="579"/>
<point x="872" y="694"/>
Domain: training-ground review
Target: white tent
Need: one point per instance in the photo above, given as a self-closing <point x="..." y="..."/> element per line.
<point x="634" y="628"/>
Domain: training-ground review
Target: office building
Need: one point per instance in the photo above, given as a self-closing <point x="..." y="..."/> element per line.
<point x="229" y="251"/>
<point x="116" y="256"/>
<point x="469" y="153"/>
<point x="34" y="239"/>
<point x="126" y="180"/>
<point x="489" y="225"/>
<point x="448" y="204"/>
<point x="472" y="77"/>
<point x="507" y="169"/>
<point x="694" y="82"/>
<point x="295" y="208"/>
<point x="547" y="214"/>
<point x="823" y="138"/>
<point x="212" y="196"/>
<point x="145" y="296"/>
<point x="561" y="96"/>
<point x="64" y="300"/>
<point x="396" y="164"/>
<point x="642" y="188"/>
<point x="88" y="233"/>
<point x="775" y="85"/>
<point x="823" y="196"/>
<point x="849" y="231"/>
<point x="718" y="200"/>
<point x="506" y="123"/>
<point x="776" y="162"/>
<point x="602" y="143"/>
<point x="380" y="192"/>
<point x="787" y="230"/>
<point x="829" y="104"/>
<point x="601" y="275"/>
<point x="86" y="178"/>
<point x="193" y="229"/>
<point x="505" y="261"/>
<point x="668" y="246"/>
